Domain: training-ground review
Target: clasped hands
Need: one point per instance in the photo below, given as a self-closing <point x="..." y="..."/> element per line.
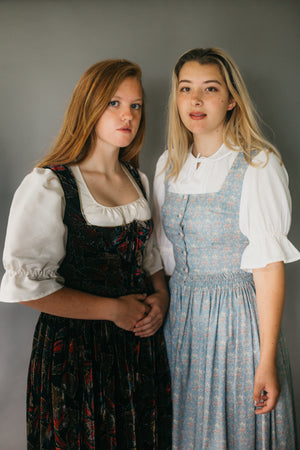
<point x="142" y="314"/>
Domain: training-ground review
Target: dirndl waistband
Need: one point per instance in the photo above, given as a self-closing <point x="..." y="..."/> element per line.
<point x="214" y="280"/>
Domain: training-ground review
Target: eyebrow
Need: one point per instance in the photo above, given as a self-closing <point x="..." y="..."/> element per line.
<point x="205" y="82"/>
<point x="140" y="99"/>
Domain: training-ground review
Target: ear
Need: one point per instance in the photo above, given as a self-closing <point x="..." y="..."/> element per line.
<point x="231" y="104"/>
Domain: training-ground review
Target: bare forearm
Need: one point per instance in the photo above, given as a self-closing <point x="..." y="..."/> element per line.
<point x="270" y="291"/>
<point x="159" y="282"/>
<point x="75" y="304"/>
<point x="124" y="311"/>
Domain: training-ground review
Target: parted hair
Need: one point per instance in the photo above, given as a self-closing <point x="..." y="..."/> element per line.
<point x="241" y="129"/>
<point x="89" y="100"/>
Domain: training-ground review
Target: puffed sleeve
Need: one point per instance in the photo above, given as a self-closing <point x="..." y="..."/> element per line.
<point x="164" y="245"/>
<point x="152" y="260"/>
<point x="35" y="239"/>
<point x="265" y="215"/>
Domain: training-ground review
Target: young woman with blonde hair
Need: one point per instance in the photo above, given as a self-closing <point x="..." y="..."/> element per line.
<point x="79" y="249"/>
<point x="222" y="214"/>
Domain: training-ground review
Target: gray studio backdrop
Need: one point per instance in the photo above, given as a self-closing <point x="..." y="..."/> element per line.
<point x="44" y="48"/>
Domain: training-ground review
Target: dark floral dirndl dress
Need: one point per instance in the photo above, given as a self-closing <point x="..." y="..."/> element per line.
<point x="92" y="385"/>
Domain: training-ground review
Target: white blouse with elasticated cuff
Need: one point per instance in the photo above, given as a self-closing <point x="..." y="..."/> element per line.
<point x="36" y="235"/>
<point x="265" y="208"/>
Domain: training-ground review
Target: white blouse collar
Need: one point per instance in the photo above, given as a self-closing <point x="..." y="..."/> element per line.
<point x="219" y="154"/>
<point x="190" y="166"/>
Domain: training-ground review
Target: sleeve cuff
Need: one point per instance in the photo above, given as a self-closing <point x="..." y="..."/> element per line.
<point x="266" y="250"/>
<point x="20" y="288"/>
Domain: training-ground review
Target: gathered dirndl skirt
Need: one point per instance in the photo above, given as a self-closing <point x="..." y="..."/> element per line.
<point x="213" y="349"/>
<point x="92" y="385"/>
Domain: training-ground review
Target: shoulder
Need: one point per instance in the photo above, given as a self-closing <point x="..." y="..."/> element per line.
<point x="266" y="186"/>
<point x="39" y="177"/>
<point x="267" y="166"/>
<point x="136" y="173"/>
<point x="162" y="160"/>
<point x="160" y="168"/>
<point x="38" y="184"/>
<point x="38" y="200"/>
<point x="144" y="180"/>
<point x="140" y="178"/>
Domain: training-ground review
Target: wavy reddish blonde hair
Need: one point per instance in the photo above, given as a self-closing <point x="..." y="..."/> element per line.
<point x="89" y="100"/>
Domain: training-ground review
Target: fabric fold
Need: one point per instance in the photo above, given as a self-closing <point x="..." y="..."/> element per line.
<point x="267" y="249"/>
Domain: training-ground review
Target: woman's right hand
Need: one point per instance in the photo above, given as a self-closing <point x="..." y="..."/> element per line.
<point x="129" y="310"/>
<point x="266" y="388"/>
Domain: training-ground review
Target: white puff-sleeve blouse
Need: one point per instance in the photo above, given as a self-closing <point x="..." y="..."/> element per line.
<point x="265" y="207"/>
<point x="36" y="235"/>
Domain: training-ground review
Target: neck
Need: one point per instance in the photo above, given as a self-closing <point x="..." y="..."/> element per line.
<point x="206" y="145"/>
<point x="102" y="160"/>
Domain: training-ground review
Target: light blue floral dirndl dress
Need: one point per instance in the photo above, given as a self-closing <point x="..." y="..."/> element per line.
<point x="212" y="328"/>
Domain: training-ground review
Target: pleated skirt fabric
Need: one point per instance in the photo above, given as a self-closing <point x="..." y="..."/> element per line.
<point x="213" y="349"/>
<point x="92" y="385"/>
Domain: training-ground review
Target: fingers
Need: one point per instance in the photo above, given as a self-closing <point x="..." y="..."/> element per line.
<point x="260" y="402"/>
<point x="266" y="388"/>
<point x="266" y="401"/>
<point x="265" y="407"/>
<point x="132" y="309"/>
<point x="148" y="326"/>
<point x="140" y="297"/>
<point x="148" y="315"/>
<point x="142" y="314"/>
<point x="258" y="391"/>
<point x="147" y="331"/>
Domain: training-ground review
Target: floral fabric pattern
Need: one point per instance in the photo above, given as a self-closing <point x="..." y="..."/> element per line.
<point x="212" y="330"/>
<point x="92" y="385"/>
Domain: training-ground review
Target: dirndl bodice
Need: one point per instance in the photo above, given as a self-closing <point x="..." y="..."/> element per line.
<point x="212" y="328"/>
<point x="92" y="385"/>
<point x="204" y="228"/>
<point x="105" y="261"/>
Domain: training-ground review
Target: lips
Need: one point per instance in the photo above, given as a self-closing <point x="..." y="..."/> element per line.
<point x="125" y="130"/>
<point x="197" y="115"/>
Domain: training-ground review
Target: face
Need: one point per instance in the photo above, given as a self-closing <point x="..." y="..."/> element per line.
<point x="120" y="121"/>
<point x="203" y="98"/>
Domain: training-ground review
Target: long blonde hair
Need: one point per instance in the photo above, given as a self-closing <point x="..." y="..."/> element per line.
<point x="241" y="128"/>
<point x="89" y="100"/>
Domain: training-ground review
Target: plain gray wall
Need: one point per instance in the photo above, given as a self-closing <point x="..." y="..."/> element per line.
<point x="44" y="48"/>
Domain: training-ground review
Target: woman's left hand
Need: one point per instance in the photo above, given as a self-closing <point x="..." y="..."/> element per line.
<point x="149" y="325"/>
<point x="266" y="388"/>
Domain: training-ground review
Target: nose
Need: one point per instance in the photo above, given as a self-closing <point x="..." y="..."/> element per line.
<point x="126" y="113"/>
<point x="197" y="99"/>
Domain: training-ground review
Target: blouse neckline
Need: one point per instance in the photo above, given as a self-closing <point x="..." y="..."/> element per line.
<point x="78" y="175"/>
<point x="221" y="153"/>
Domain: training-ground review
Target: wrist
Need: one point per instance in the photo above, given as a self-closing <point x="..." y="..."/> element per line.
<point x="112" y="309"/>
<point x="163" y="291"/>
<point x="267" y="361"/>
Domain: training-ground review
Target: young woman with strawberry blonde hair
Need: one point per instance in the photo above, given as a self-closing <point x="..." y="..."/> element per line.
<point x="79" y="249"/>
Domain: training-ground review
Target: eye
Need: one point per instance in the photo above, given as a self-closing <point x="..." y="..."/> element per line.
<point x="212" y="89"/>
<point x="136" y="106"/>
<point x="113" y="103"/>
<point x="185" y="89"/>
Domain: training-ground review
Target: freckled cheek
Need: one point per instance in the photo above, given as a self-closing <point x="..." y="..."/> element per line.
<point x="181" y="107"/>
<point x="139" y="118"/>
